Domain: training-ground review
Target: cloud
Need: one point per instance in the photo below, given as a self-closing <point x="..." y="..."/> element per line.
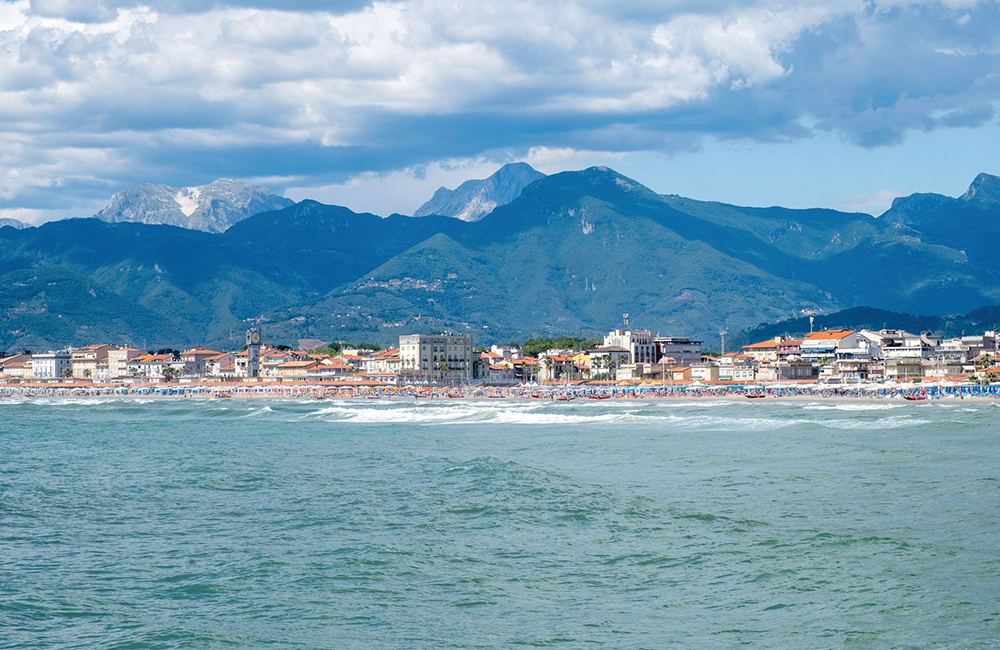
<point x="102" y="95"/>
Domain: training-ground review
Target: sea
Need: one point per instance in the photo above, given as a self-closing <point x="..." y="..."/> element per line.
<point x="499" y="524"/>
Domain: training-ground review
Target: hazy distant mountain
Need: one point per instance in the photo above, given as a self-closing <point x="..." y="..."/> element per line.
<point x="13" y="223"/>
<point x="473" y="200"/>
<point x="571" y="254"/>
<point x="211" y="208"/>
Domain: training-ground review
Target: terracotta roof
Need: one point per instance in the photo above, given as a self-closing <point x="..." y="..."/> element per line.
<point x="199" y="352"/>
<point x="828" y="334"/>
<point x="763" y="345"/>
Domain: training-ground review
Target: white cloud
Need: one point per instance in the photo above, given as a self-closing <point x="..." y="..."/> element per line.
<point x="167" y="87"/>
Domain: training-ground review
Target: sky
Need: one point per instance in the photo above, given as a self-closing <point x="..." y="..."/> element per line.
<point x="833" y="103"/>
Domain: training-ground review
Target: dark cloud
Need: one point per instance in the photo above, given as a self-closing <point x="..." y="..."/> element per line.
<point x="202" y="92"/>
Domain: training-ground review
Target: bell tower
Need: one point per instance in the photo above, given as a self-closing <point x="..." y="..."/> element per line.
<point x="253" y="353"/>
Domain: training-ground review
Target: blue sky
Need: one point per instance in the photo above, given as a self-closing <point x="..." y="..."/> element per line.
<point x="834" y="103"/>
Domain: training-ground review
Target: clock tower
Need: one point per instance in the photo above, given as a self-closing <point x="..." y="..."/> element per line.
<point x="253" y="353"/>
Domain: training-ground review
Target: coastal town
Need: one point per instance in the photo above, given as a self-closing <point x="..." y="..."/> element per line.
<point x="624" y="358"/>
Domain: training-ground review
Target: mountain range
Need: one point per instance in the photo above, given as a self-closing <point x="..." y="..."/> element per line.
<point x="473" y="200"/>
<point x="211" y="208"/>
<point x="570" y="254"/>
<point x="13" y="223"/>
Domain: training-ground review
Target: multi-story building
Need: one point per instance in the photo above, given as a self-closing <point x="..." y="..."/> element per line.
<point x="681" y="349"/>
<point x="13" y="366"/>
<point x="639" y="344"/>
<point x="118" y="359"/>
<point x="821" y="347"/>
<point x="50" y="365"/>
<point x="196" y="360"/>
<point x="736" y="367"/>
<point x="605" y="360"/>
<point x="443" y="357"/>
<point x="704" y="372"/>
<point x="86" y="359"/>
<point x="765" y="350"/>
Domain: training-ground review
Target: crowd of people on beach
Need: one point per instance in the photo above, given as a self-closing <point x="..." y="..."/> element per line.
<point x="914" y="392"/>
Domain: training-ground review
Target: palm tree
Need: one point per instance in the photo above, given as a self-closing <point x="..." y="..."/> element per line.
<point x="443" y="368"/>
<point x="549" y="363"/>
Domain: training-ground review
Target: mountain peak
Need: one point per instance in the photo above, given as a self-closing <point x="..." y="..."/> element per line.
<point x="211" y="208"/>
<point x="985" y="188"/>
<point x="13" y="223"/>
<point x="474" y="199"/>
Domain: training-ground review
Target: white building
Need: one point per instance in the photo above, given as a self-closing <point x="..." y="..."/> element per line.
<point x="639" y="344"/>
<point x="442" y="357"/>
<point x="507" y="352"/>
<point x="50" y="365"/>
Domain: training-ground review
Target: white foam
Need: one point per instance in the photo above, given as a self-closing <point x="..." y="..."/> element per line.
<point x="852" y="407"/>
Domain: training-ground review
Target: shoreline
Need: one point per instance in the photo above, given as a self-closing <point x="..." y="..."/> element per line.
<point x="911" y="394"/>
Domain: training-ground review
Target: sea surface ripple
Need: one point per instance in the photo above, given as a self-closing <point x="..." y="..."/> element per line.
<point x="460" y="524"/>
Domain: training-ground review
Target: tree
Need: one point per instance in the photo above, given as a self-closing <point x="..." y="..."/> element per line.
<point x="549" y="363"/>
<point x="67" y="372"/>
<point x="443" y="368"/>
<point x="171" y="373"/>
<point x="87" y="373"/>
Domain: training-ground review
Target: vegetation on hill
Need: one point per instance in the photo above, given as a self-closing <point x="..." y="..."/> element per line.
<point x="571" y="254"/>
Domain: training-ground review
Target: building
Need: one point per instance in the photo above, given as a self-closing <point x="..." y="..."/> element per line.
<point x="118" y="359"/>
<point x="150" y="366"/>
<point x="821" y="347"/>
<point x="86" y="359"/>
<point x="605" y="361"/>
<point x="51" y="365"/>
<point x="736" y="367"/>
<point x="682" y="350"/>
<point x="704" y="372"/>
<point x="441" y="357"/>
<point x="16" y="366"/>
<point x="196" y="361"/>
<point x="639" y="344"/>
<point x="556" y="365"/>
<point x="507" y="352"/>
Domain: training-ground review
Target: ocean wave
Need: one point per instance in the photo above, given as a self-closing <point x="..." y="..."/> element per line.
<point x="852" y="407"/>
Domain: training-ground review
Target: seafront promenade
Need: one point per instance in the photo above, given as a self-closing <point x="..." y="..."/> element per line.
<point x="566" y="393"/>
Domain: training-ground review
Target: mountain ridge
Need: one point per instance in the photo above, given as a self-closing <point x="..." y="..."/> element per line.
<point x="570" y="254"/>
<point x="211" y="208"/>
<point x="474" y="199"/>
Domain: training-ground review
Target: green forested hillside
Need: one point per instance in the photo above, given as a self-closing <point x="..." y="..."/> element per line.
<point x="570" y="255"/>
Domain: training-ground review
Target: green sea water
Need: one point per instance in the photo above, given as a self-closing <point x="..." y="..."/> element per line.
<point x="373" y="524"/>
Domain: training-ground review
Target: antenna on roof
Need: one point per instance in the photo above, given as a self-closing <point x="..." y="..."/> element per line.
<point x="625" y="318"/>
<point x="811" y="319"/>
<point x="722" y="335"/>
